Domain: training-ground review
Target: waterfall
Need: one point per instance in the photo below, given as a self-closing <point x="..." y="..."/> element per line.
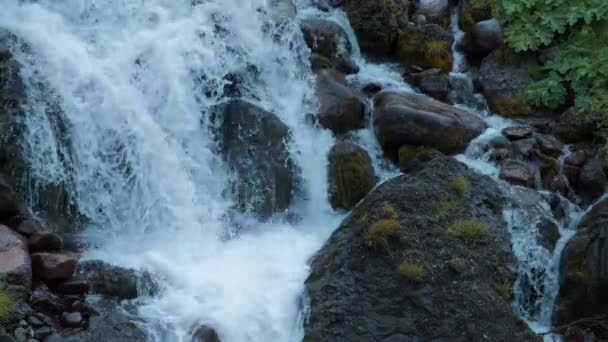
<point x="136" y="80"/>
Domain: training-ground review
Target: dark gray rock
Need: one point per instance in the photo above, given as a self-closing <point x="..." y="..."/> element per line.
<point x="341" y="108"/>
<point x="205" y="333"/>
<point x="30" y="227"/>
<point x="254" y="144"/>
<point x="524" y="148"/>
<point x="418" y="120"/>
<point x="45" y="242"/>
<point x="42" y="333"/>
<point x="433" y="82"/>
<point x="73" y="287"/>
<point x="113" y="281"/>
<point x="357" y="292"/>
<point x="592" y="181"/>
<point x="351" y="174"/>
<point x="549" y="145"/>
<point x="484" y="37"/>
<point x="327" y="39"/>
<point x="518" y="133"/>
<point x="4" y="337"/>
<point x="584" y="269"/>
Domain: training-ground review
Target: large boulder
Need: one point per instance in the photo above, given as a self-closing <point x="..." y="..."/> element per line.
<point x="254" y="144"/>
<point x="376" y="24"/>
<point x="484" y="37"/>
<point x="15" y="264"/>
<point x="414" y="119"/>
<point x="329" y="44"/>
<point x="592" y="181"/>
<point x="504" y="75"/>
<point x="584" y="269"/>
<point x="351" y="174"/>
<point x="403" y="265"/>
<point x="341" y="108"/>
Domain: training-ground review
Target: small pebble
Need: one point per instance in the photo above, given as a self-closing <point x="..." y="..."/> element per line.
<point x="20" y="334"/>
<point x="42" y="333"/>
<point x="35" y="322"/>
<point x="23" y="323"/>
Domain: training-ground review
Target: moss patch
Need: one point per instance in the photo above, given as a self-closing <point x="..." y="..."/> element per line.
<point x="381" y="232"/>
<point x="510" y="107"/>
<point x="425" y="48"/>
<point x="458" y="265"/>
<point x="407" y="154"/>
<point x="461" y="186"/>
<point x="351" y="179"/>
<point x="469" y="230"/>
<point x="413" y="271"/>
<point x="505" y="291"/>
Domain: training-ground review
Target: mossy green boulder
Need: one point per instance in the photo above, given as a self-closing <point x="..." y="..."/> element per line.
<point x="429" y="46"/>
<point x="351" y="175"/>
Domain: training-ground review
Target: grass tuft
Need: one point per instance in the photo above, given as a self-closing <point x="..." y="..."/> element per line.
<point x="381" y="232"/>
<point x="461" y="186"/>
<point x="413" y="271"/>
<point x="8" y="306"/>
<point x="469" y="230"/>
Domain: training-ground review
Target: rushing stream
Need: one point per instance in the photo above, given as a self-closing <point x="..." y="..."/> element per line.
<point x="136" y="80"/>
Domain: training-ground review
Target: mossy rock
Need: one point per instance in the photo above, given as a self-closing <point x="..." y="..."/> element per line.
<point x="514" y="106"/>
<point x="351" y="175"/>
<point x="408" y="153"/>
<point x="428" y="47"/>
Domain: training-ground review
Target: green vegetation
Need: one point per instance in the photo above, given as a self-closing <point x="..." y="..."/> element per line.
<point x="382" y="231"/>
<point x="445" y="209"/>
<point x="413" y="271"/>
<point x="577" y="30"/>
<point x="389" y="212"/>
<point x="458" y="265"/>
<point x="407" y="154"/>
<point x="469" y="230"/>
<point x="461" y="186"/>
<point x="505" y="290"/>
<point x="8" y="305"/>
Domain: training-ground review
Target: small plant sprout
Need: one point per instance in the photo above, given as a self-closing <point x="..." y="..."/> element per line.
<point x="469" y="230"/>
<point x="461" y="186"/>
<point x="381" y="232"/>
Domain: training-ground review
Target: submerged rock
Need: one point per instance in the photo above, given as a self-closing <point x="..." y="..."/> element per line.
<point x="113" y="281"/>
<point x="205" y="333"/>
<point x="584" y="269"/>
<point x="351" y="174"/>
<point x="386" y="274"/>
<point x="341" y="108"/>
<point x="254" y="144"/>
<point x="413" y="119"/>
<point x="329" y="41"/>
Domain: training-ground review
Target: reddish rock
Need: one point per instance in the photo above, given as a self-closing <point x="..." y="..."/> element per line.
<point x="45" y="242"/>
<point x="73" y="287"/>
<point x="518" y="133"/>
<point x="15" y="264"/>
<point x="549" y="144"/>
<point x="517" y="173"/>
<point x="53" y="266"/>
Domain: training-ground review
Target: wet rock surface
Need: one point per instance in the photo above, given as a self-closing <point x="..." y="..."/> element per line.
<point x="361" y="291"/>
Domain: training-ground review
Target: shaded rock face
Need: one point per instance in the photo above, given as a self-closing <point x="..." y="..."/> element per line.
<point x="503" y="76"/>
<point x="15" y="264"/>
<point x="376" y="24"/>
<point x="413" y="119"/>
<point x="254" y="144"/>
<point x="584" y="269"/>
<point x="591" y="183"/>
<point x="358" y="293"/>
<point x="351" y="174"/>
<point x="328" y="41"/>
<point x="52" y="201"/>
<point x="433" y="82"/>
<point x="341" y="108"/>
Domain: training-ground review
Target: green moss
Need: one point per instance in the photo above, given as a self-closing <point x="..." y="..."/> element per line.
<point x="415" y="47"/>
<point x="461" y="186"/>
<point x="407" y="154"/>
<point x="8" y="306"/>
<point x="505" y="291"/>
<point x="445" y="209"/>
<point x="458" y="265"/>
<point x="382" y="231"/>
<point x="466" y="19"/>
<point x="549" y="168"/>
<point x="352" y="178"/>
<point x="413" y="271"/>
<point x="469" y="230"/>
<point x="509" y="107"/>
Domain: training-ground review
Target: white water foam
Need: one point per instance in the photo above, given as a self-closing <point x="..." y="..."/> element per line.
<point x="136" y="80"/>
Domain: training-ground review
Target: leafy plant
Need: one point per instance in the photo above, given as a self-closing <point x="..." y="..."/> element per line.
<point x="577" y="30"/>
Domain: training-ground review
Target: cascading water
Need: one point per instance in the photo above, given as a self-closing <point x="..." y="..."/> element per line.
<point x="135" y="80"/>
